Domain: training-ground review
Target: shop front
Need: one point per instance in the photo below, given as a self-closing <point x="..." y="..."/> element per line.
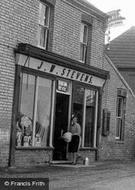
<point x="48" y="89"/>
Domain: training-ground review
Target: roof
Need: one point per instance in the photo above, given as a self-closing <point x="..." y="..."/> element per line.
<point x="120" y="76"/>
<point x="122" y="49"/>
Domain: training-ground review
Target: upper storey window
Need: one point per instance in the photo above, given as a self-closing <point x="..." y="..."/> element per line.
<point x="44" y="20"/>
<point x="120" y="114"/>
<point x="83" y="42"/>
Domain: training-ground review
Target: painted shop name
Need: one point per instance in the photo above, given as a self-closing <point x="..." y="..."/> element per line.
<point x="60" y="71"/>
<point x="65" y="72"/>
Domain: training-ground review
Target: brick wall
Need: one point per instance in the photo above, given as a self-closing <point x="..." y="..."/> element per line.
<point x="109" y="147"/>
<point x="97" y="44"/>
<point x="18" y="24"/>
<point x="66" y="30"/>
<point x="32" y="157"/>
<point x="66" y="40"/>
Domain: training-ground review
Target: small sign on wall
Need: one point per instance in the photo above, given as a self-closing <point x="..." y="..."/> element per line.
<point x="62" y="86"/>
<point x="106" y="122"/>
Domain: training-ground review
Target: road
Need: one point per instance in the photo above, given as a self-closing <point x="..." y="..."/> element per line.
<point x="100" y="176"/>
<point x="112" y="177"/>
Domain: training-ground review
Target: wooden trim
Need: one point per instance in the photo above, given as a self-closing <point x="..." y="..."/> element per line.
<point x="50" y="2"/>
<point x="51" y="57"/>
<point x="34" y="148"/>
<point x="52" y="113"/>
<point x="99" y="122"/>
<point x="14" y="116"/>
<point x="35" y="109"/>
<point x="96" y="120"/>
<point x="37" y="73"/>
<point x="87" y="19"/>
<point x="88" y="53"/>
<point x="88" y="148"/>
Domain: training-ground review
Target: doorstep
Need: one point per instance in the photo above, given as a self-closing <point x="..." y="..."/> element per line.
<point x="60" y="162"/>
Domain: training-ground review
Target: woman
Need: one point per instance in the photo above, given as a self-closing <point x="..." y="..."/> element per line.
<point x="75" y="129"/>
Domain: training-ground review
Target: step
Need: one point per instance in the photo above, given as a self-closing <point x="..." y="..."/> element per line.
<point x="61" y="162"/>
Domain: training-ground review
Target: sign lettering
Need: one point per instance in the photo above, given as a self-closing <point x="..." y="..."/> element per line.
<point x="61" y="71"/>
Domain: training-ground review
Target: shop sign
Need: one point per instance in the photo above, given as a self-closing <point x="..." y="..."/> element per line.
<point x="62" y="86"/>
<point x="60" y="71"/>
<point x="115" y="19"/>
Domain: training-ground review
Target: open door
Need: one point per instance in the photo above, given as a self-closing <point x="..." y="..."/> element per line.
<point x="61" y="126"/>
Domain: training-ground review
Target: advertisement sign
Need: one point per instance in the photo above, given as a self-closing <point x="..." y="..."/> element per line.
<point x="115" y="19"/>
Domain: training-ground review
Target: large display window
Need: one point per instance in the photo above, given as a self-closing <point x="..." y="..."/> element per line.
<point x="84" y="105"/>
<point x="34" y="115"/>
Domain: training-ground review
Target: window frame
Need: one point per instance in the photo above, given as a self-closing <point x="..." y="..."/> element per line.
<point x="53" y="86"/>
<point x="96" y="117"/>
<point x="83" y="44"/>
<point x="46" y="28"/>
<point x="120" y="114"/>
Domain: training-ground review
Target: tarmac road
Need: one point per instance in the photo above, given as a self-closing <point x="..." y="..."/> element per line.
<point x="100" y="176"/>
<point x="105" y="177"/>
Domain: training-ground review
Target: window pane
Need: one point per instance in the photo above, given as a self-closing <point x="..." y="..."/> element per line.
<point x="120" y="106"/>
<point x="85" y="36"/>
<point x="44" y="15"/>
<point x="43" y="112"/>
<point x="119" y="128"/>
<point x="82" y="52"/>
<point x="82" y="33"/>
<point x="43" y="36"/>
<point x="25" y="117"/>
<point x="89" y="119"/>
<point x="27" y="96"/>
<point x="43" y="25"/>
<point x="78" y="102"/>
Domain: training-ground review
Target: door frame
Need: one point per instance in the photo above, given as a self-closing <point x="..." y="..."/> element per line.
<point x="69" y="93"/>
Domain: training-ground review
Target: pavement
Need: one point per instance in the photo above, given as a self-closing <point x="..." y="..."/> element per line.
<point x="106" y="175"/>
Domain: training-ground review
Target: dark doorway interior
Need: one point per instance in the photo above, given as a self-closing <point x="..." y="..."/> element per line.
<point x="61" y="125"/>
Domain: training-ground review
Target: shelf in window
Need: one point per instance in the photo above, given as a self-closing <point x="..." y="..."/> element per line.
<point x="34" y="148"/>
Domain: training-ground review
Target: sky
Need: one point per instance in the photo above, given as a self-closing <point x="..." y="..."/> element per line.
<point x="127" y="10"/>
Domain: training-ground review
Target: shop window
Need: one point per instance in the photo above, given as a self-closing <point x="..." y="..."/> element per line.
<point x="85" y="107"/>
<point x="120" y="114"/>
<point x="90" y="98"/>
<point x="33" y="121"/>
<point x="78" y="103"/>
<point x="44" y="22"/>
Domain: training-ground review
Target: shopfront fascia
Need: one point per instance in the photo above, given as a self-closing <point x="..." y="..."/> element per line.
<point x="50" y="88"/>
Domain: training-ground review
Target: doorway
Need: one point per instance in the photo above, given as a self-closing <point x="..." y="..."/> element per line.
<point x="61" y="126"/>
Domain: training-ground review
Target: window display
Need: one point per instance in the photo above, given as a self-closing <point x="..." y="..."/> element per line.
<point x="90" y="117"/>
<point x="33" y="121"/>
<point x="84" y="106"/>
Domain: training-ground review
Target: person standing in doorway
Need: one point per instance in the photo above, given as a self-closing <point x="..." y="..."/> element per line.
<point x="73" y="147"/>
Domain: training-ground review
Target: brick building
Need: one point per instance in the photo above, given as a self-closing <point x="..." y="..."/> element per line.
<point x="53" y="66"/>
<point x="118" y="101"/>
<point x="122" y="53"/>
